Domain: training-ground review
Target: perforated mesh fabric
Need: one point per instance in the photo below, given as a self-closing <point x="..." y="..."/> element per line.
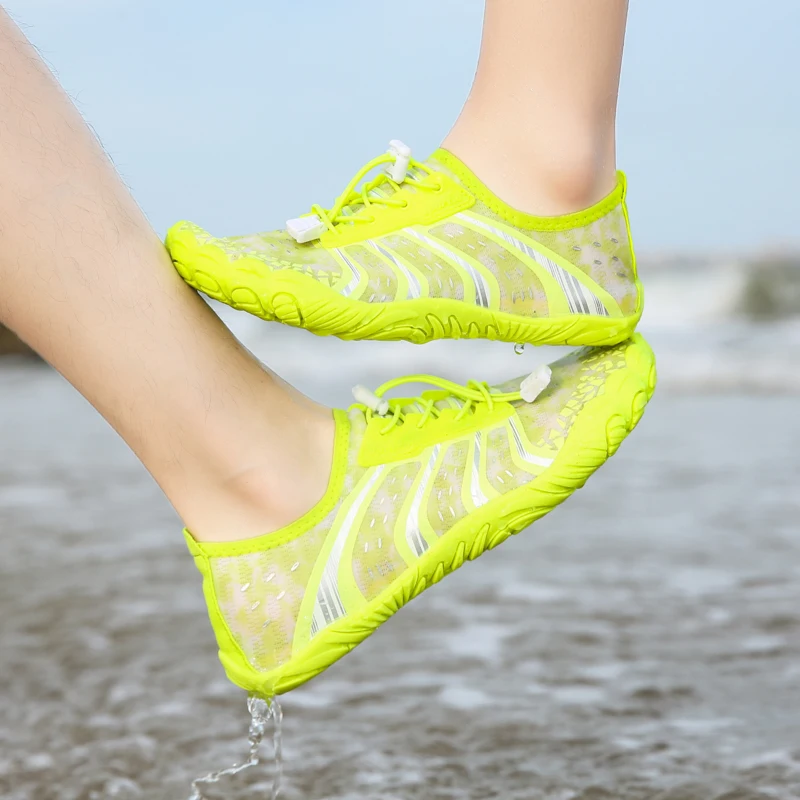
<point x="443" y="280"/>
<point x="501" y="470"/>
<point x="445" y="505"/>
<point x="382" y="282"/>
<point x="454" y="253"/>
<point x="521" y="292"/>
<point x="576" y="379"/>
<point x="259" y="594"/>
<point x="376" y="560"/>
<point x="602" y="250"/>
<point x="277" y="250"/>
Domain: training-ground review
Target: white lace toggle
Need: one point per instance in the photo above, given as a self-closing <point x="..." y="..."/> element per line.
<point x="305" y="229"/>
<point x="535" y="383"/>
<point x="402" y="156"/>
<point x="369" y="399"/>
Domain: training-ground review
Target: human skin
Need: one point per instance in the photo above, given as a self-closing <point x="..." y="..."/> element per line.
<point x="539" y="125"/>
<point x="87" y="283"/>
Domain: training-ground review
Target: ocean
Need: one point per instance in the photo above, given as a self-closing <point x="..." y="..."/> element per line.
<point x="641" y="642"/>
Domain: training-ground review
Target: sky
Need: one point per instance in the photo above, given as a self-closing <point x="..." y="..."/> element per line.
<point x="239" y="115"/>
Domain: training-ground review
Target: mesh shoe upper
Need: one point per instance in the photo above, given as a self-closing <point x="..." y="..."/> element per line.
<point x="485" y="253"/>
<point x="277" y="593"/>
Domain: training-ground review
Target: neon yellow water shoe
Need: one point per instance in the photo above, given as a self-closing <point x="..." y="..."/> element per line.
<point x="418" y="486"/>
<point x="425" y="251"/>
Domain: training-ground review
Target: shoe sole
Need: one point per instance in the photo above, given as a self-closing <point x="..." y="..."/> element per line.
<point x="303" y="302"/>
<point x="597" y="433"/>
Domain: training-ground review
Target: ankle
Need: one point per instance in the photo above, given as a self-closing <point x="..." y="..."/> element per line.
<point x="532" y="174"/>
<point x="571" y="182"/>
<point x="264" y="491"/>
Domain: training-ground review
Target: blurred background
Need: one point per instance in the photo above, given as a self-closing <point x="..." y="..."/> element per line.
<point x="640" y="642"/>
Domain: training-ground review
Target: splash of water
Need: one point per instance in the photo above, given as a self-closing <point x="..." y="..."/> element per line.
<point x="261" y="712"/>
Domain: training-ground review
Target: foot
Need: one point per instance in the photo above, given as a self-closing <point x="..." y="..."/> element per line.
<point x="418" y="486"/>
<point x="425" y="251"/>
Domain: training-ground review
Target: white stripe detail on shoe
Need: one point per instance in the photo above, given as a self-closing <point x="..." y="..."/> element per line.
<point x="481" y="287"/>
<point x="356" y="279"/>
<point x="478" y="497"/>
<point x="580" y="298"/>
<point x="414" y="290"/>
<point x="524" y="453"/>
<point x="416" y="541"/>
<point x="328" y="606"/>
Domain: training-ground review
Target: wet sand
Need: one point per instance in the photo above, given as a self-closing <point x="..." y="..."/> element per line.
<point x="640" y="642"/>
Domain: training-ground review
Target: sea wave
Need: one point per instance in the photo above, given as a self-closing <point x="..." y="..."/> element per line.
<point x="683" y="292"/>
<point x="717" y="325"/>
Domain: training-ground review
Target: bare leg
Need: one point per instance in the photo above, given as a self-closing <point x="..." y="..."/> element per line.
<point x="86" y="282"/>
<point x="538" y="126"/>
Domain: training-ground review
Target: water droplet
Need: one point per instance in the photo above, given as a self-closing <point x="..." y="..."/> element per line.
<point x="245" y="587"/>
<point x="255" y="605"/>
<point x="269" y="577"/>
<point x="295" y="566"/>
<point x="281" y="594"/>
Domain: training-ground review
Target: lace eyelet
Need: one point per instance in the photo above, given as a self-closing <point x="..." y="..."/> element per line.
<point x="438" y="188"/>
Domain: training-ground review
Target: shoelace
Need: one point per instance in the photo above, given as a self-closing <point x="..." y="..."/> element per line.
<point x="472" y="394"/>
<point x="319" y="220"/>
